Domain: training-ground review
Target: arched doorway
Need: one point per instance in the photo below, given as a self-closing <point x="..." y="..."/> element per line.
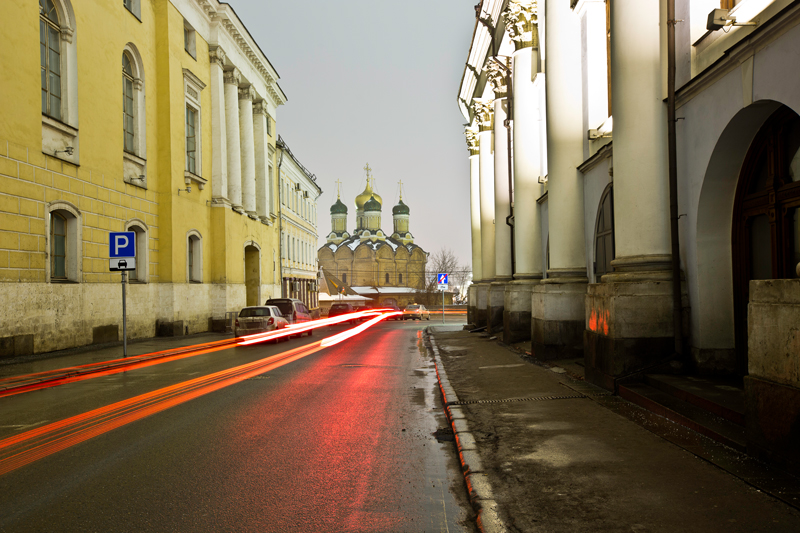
<point x="765" y="239"/>
<point x="252" y="274"/>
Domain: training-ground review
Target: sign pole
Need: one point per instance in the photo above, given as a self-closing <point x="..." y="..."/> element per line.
<point x="442" y="307"/>
<point x="124" y="319"/>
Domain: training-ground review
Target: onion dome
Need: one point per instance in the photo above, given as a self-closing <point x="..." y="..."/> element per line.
<point x="372" y="204"/>
<point x="400" y="209"/>
<point x="365" y="196"/>
<point x="338" y="208"/>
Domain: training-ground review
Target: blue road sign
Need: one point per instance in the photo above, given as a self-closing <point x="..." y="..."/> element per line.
<point x="122" y="244"/>
<point x="441" y="279"/>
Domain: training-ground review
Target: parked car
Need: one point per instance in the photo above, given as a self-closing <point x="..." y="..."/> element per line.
<point x="341" y="309"/>
<point x="293" y="310"/>
<point x="416" y="312"/>
<point x="259" y="319"/>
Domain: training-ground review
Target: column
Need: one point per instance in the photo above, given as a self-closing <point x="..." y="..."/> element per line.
<point x="219" y="142"/>
<point x="246" y="97"/>
<point x="483" y="110"/>
<point x="565" y="136"/>
<point x="260" y="118"/>
<point x="502" y="195"/>
<point x="232" y="79"/>
<point x="641" y="229"/>
<point x="522" y="20"/>
<point x="475" y="201"/>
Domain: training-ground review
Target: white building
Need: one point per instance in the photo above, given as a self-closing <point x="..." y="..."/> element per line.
<point x="591" y="269"/>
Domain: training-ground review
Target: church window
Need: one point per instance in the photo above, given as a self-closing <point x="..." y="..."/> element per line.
<point x="400" y="278"/>
<point x="344" y="277"/>
<point x="387" y="278"/>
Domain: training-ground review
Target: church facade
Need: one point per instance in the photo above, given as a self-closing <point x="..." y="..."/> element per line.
<point x="369" y="257"/>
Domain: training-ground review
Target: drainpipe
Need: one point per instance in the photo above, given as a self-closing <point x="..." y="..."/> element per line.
<point x="508" y="123"/>
<point x="280" y="219"/>
<point x="677" y="310"/>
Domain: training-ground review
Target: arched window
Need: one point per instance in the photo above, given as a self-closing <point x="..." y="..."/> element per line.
<point x="63" y="228"/>
<point x="604" y="235"/>
<point x="127" y="103"/>
<point x="142" y="253"/>
<point x="344" y="277"/>
<point x="50" y="58"/>
<point x="194" y="257"/>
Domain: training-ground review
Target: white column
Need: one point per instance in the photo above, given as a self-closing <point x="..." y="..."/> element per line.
<point x="262" y="159"/>
<point x="527" y="167"/>
<point x="219" y="142"/>
<point x="232" y="79"/>
<point x="522" y="23"/>
<point x="475" y="202"/>
<point x="502" y="195"/>
<point x="641" y="188"/>
<point x="246" y="97"/>
<point x="565" y="135"/>
<point x="486" y="164"/>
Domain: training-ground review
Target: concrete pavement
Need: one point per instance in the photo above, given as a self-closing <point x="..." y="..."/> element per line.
<point x="544" y="451"/>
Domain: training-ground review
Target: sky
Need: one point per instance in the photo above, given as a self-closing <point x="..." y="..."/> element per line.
<point x="375" y="81"/>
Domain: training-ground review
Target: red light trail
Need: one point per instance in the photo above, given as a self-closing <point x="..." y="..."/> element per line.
<point x="30" y="446"/>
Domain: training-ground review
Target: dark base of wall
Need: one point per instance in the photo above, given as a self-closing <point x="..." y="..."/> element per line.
<point x="516" y="326"/>
<point x="16" y="346"/>
<point x="169" y="329"/>
<point x="471" y="314"/>
<point x="772" y="415"/>
<point x="104" y="334"/>
<point x="556" y="339"/>
<point x="495" y="320"/>
<point x="607" y="358"/>
<point x="481" y="317"/>
<point x="217" y="325"/>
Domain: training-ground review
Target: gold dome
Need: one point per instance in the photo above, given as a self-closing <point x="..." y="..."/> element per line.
<point x="364" y="197"/>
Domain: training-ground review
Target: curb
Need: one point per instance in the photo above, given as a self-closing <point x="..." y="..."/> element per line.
<point x="478" y="486"/>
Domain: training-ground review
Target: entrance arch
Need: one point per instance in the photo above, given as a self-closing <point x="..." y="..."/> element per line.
<point x="766" y="215"/>
<point x="252" y="273"/>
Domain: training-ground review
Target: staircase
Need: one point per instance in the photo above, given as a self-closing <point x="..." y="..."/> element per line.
<point x="711" y="406"/>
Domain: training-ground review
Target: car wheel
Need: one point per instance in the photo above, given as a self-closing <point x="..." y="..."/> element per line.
<point x="310" y="332"/>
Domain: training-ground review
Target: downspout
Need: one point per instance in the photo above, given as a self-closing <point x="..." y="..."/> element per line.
<point x="508" y="123"/>
<point x="280" y="221"/>
<point x="677" y="310"/>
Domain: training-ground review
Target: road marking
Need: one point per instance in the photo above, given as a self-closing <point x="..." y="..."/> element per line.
<point x="500" y="366"/>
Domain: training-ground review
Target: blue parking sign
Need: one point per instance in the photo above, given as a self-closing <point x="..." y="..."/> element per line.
<point x="122" y="244"/>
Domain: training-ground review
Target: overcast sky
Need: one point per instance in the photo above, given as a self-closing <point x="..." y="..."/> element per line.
<point x="375" y="81"/>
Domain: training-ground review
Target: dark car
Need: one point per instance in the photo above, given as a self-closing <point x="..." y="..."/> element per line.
<point x="294" y="311"/>
<point x="392" y="307"/>
<point x="340" y="309"/>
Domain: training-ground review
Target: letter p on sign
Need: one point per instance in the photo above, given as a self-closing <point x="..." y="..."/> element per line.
<point x="122" y="244"/>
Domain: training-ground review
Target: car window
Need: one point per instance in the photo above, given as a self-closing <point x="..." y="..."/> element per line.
<point x="276" y="311"/>
<point x="254" y="311"/>
<point x="285" y="307"/>
<point x="412" y="307"/>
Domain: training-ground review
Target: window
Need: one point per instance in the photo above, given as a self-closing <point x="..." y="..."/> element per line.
<point x="58" y="246"/>
<point x="604" y="235"/>
<point x="63" y="232"/>
<point x="191" y="139"/>
<point x="387" y="278"/>
<point x="134" y="6"/>
<point x="193" y="130"/>
<point x="127" y="103"/>
<point x="194" y="257"/>
<point x="142" y="253"/>
<point x="271" y="191"/>
<point x="189" y="39"/>
<point x="50" y="58"/>
<point x="400" y="278"/>
<point x="344" y="277"/>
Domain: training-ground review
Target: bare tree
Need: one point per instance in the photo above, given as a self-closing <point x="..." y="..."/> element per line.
<point x="443" y="261"/>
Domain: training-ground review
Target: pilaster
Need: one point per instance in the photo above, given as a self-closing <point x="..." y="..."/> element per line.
<point x="246" y="96"/>
<point x="475" y="201"/>
<point x="262" y="159"/>
<point x="498" y="72"/>
<point x="484" y="114"/>
<point x="219" y="142"/>
<point x="232" y="132"/>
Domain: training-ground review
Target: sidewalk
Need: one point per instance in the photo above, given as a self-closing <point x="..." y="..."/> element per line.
<point x="546" y="451"/>
<point x="83" y="355"/>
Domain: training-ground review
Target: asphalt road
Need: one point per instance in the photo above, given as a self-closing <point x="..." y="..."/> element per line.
<point x="339" y="439"/>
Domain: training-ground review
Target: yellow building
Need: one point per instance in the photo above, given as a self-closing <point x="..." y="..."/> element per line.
<point x="369" y="258"/>
<point x="187" y="165"/>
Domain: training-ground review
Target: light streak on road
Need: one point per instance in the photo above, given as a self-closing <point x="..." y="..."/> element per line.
<point x="336" y="339"/>
<point x="35" y="444"/>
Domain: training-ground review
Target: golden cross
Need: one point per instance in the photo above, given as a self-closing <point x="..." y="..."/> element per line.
<point x="338" y="189"/>
<point x="400" y="183"/>
<point x="368" y="170"/>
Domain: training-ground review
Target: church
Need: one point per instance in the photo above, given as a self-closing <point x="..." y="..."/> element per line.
<point x="369" y="260"/>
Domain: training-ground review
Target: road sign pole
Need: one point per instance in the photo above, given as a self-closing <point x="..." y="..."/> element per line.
<point x="124" y="319"/>
<point x="442" y="307"/>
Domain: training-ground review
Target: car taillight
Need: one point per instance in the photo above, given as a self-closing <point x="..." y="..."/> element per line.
<point x="237" y="322"/>
<point x="270" y="321"/>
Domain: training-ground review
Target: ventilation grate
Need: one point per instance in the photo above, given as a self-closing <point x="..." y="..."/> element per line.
<point x="509" y="400"/>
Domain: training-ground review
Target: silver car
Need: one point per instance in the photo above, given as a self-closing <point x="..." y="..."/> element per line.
<point x="259" y="319"/>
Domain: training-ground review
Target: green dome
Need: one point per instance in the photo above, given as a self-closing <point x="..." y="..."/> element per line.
<point x="372" y="205"/>
<point x="400" y="209"/>
<point x="338" y="208"/>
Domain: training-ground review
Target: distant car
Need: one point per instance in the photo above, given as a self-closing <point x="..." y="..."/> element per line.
<point x="341" y="309"/>
<point x="259" y="319"/>
<point x="416" y="312"/>
<point x="293" y="310"/>
<point x="392" y="307"/>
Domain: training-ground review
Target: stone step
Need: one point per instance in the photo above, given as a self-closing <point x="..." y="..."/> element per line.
<point x="685" y="414"/>
<point x="723" y="397"/>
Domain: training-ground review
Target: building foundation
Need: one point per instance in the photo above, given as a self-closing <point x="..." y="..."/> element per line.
<point x="517" y="310"/>
<point x="557" y="319"/>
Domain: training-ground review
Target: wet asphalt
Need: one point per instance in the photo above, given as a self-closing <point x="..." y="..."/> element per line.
<point x="340" y="440"/>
